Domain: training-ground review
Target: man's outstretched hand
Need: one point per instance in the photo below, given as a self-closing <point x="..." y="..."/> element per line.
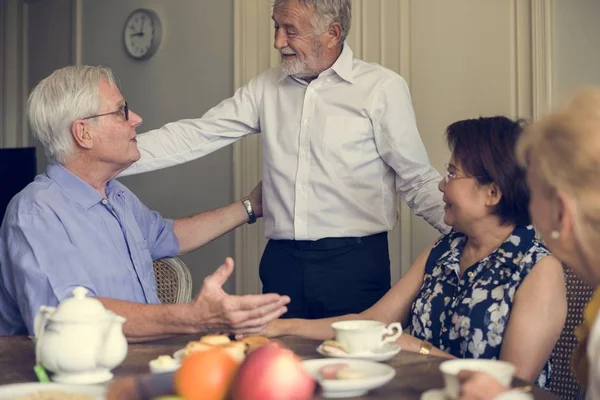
<point x="218" y="311"/>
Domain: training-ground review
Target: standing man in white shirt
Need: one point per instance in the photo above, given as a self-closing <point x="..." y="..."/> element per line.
<point x="339" y="142"/>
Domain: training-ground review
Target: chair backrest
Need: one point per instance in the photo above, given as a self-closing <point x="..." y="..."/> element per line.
<point x="173" y="281"/>
<point x="563" y="383"/>
<point x="17" y="170"/>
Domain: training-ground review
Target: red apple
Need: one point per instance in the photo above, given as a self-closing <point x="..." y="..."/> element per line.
<point x="272" y="372"/>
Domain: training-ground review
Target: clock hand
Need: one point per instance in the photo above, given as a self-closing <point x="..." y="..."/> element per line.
<point x="142" y="26"/>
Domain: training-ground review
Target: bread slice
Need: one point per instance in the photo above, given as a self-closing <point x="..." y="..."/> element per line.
<point x="254" y="342"/>
<point x="215" y="340"/>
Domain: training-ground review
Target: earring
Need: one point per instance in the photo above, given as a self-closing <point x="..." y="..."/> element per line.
<point x="554" y="234"/>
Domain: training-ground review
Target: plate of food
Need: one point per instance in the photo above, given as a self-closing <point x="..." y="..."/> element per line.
<point x="51" y="391"/>
<point x="332" y="348"/>
<point x="348" y="378"/>
<point x="237" y="348"/>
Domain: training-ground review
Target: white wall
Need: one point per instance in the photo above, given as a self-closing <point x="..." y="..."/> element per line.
<point x="576" y="52"/>
<point x="191" y="72"/>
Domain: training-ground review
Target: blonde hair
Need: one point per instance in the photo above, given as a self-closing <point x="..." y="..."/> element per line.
<point x="566" y="148"/>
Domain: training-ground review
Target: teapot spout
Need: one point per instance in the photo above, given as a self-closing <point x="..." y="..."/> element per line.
<point x="114" y="347"/>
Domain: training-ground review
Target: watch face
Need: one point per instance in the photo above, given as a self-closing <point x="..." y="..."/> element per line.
<point x="141" y="34"/>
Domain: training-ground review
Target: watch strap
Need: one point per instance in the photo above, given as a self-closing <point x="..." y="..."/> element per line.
<point x="425" y="347"/>
<point x="248" y="206"/>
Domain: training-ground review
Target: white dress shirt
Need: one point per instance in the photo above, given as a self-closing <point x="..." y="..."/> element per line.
<point x="335" y="150"/>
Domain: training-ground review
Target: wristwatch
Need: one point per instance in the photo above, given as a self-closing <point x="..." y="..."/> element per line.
<point x="248" y="205"/>
<point x="425" y="347"/>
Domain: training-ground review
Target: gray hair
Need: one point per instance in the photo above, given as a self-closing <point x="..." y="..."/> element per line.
<point x="326" y="12"/>
<point x="67" y="94"/>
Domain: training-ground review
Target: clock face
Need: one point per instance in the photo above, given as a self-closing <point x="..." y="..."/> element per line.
<point x="142" y="34"/>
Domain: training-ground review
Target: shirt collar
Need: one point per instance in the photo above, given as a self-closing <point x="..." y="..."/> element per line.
<point x="509" y="253"/>
<point x="77" y="189"/>
<point x="342" y="66"/>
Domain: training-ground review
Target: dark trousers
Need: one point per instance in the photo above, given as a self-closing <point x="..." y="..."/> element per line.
<point x="327" y="277"/>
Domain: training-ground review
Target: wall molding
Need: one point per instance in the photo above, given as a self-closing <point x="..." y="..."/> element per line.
<point x="252" y="55"/>
<point x="13" y="73"/>
<point x="541" y="56"/>
<point x="77" y="28"/>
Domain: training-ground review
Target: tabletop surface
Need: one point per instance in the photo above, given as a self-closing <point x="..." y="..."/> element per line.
<point x="415" y="373"/>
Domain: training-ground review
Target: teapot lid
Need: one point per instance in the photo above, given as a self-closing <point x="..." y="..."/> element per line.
<point x="80" y="308"/>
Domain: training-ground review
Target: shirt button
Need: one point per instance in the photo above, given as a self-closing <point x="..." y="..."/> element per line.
<point x="311" y="90"/>
<point x="444" y="330"/>
<point x="301" y="188"/>
<point x="470" y="274"/>
<point x="104" y="201"/>
<point x="299" y="221"/>
<point x="305" y="122"/>
<point x="304" y="154"/>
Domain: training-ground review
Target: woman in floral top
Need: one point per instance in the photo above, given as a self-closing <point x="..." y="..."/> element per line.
<point x="488" y="289"/>
<point x="561" y="153"/>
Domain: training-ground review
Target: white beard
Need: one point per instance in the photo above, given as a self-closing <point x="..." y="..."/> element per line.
<point x="302" y="69"/>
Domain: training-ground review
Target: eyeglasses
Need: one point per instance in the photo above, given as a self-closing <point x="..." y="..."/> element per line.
<point x="124" y="111"/>
<point x="450" y="176"/>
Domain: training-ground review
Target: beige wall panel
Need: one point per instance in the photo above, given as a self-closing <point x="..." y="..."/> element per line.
<point x="461" y="67"/>
<point x="576" y="58"/>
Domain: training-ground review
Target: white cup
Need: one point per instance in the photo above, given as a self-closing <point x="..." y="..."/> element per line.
<point x="365" y="336"/>
<point x="502" y="371"/>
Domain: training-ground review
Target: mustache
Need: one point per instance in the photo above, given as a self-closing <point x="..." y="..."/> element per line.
<point x="287" y="51"/>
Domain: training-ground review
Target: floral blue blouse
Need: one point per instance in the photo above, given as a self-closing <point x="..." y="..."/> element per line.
<point x="467" y="316"/>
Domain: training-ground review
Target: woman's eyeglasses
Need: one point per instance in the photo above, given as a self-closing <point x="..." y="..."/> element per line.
<point x="450" y="176"/>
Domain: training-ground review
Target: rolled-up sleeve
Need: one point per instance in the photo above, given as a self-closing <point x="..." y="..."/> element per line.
<point x="40" y="265"/>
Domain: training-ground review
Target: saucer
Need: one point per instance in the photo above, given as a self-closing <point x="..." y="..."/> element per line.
<point x="375" y="375"/>
<point x="434" y="394"/>
<point x="29" y="389"/>
<point x="382" y="354"/>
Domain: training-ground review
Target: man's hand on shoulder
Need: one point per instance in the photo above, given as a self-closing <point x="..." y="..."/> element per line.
<point x="216" y="310"/>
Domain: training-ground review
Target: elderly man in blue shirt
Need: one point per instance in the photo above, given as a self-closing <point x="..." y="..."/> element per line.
<point x="76" y="226"/>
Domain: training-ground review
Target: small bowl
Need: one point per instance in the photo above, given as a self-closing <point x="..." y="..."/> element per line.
<point x="502" y="371"/>
<point x="159" y="367"/>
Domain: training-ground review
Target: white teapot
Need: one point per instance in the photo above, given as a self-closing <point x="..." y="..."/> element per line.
<point x="82" y="341"/>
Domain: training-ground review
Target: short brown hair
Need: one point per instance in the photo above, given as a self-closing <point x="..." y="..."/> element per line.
<point x="486" y="149"/>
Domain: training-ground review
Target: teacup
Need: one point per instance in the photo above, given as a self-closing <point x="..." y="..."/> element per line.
<point x="502" y="371"/>
<point x="363" y="336"/>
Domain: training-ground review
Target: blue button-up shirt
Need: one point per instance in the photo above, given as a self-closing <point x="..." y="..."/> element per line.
<point x="59" y="233"/>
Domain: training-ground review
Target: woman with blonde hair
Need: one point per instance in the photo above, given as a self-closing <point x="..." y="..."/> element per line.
<point x="562" y="155"/>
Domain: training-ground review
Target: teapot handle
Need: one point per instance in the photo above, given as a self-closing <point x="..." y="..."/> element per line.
<point x="39" y="323"/>
<point x="39" y="327"/>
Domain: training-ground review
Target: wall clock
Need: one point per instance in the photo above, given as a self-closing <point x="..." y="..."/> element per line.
<point x="142" y="34"/>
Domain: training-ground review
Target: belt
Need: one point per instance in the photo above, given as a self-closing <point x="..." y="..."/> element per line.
<point x="326" y="243"/>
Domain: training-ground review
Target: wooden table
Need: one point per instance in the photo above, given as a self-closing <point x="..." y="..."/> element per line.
<point x="415" y="373"/>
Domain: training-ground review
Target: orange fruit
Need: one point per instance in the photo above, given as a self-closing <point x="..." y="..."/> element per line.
<point x="206" y="375"/>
